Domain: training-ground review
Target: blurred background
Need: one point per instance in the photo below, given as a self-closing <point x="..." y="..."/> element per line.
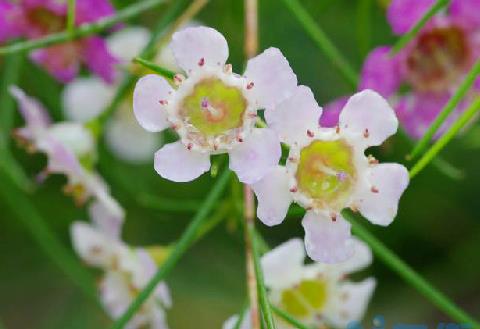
<point x="437" y="230"/>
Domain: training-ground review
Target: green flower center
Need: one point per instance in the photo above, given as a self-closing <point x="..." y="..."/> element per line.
<point x="213" y="107"/>
<point x="326" y="172"/>
<point x="305" y="299"/>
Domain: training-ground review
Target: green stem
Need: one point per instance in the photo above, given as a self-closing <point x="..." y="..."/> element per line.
<point x="364" y="26"/>
<point x="409" y="275"/>
<point x="71" y="16"/>
<point x="155" y="68"/>
<point x="185" y="241"/>
<point x="262" y="291"/>
<point x="289" y="318"/>
<point x="82" y="30"/>
<point x="428" y="156"/>
<point x="407" y="37"/>
<point x="322" y="41"/>
<point x="171" y="205"/>
<point x="241" y="316"/>
<point x="20" y="205"/>
<point x="449" y="107"/>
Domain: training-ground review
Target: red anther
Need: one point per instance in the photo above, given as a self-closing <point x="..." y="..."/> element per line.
<point x="333" y="216"/>
<point x="374" y="189"/>
<point x="292" y="159"/>
<point x="252" y="115"/>
<point x="189" y="146"/>
<point x="228" y="68"/>
<point x="250" y="85"/>
<point x="372" y="160"/>
<point x="201" y="62"/>
<point x="174" y="126"/>
<point x="294" y="189"/>
<point x="163" y="102"/>
<point x="310" y="133"/>
<point x="215" y="147"/>
<point x="337" y="129"/>
<point x="366" y="133"/>
<point x="240" y="139"/>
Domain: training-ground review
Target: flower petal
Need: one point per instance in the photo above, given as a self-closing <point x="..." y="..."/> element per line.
<point x="174" y="162"/>
<point x="331" y="112"/>
<point x="232" y="321"/>
<point x="107" y="215"/>
<point x="283" y="265"/>
<point x="367" y="119"/>
<point x="381" y="72"/>
<point x="256" y="155"/>
<point x="272" y="76"/>
<point x="361" y="258"/>
<point x="292" y="118"/>
<point x="61" y="61"/>
<point x="379" y="201"/>
<point x="149" y="91"/>
<point x="466" y="11"/>
<point x="273" y="196"/>
<point x="35" y="115"/>
<point x="87" y="11"/>
<point x="98" y="59"/>
<point x="327" y="241"/>
<point x="127" y="43"/>
<point x="11" y="19"/>
<point x="86" y="98"/>
<point x="403" y="14"/>
<point x="193" y="44"/>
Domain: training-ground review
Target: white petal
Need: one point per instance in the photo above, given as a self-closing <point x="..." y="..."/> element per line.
<point x="273" y="196"/>
<point x="361" y="258"/>
<point x="327" y="241"/>
<point x="283" y="265"/>
<point x="130" y="142"/>
<point x="379" y="199"/>
<point x="73" y="136"/>
<point x="174" y="162"/>
<point x="368" y="119"/>
<point x="256" y="155"/>
<point x="273" y="78"/>
<point x="293" y="117"/>
<point x="158" y="318"/>
<point x="149" y="91"/>
<point x="232" y="321"/>
<point x="193" y="44"/>
<point x="351" y="303"/>
<point x="86" y="98"/>
<point x="34" y="114"/>
<point x="127" y="43"/>
<point x="115" y="293"/>
<point x="107" y="215"/>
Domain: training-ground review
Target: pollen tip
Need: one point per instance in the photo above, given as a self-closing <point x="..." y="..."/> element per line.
<point x="333" y="216"/>
<point x="294" y="189"/>
<point x="250" y="85"/>
<point x="228" y="68"/>
<point x="201" y="62"/>
<point x="178" y="79"/>
<point x="292" y="159"/>
<point x="366" y="133"/>
<point x="163" y="102"/>
<point x="310" y="133"/>
<point x="189" y="146"/>
<point x="374" y="189"/>
<point x="337" y="129"/>
<point x="240" y="139"/>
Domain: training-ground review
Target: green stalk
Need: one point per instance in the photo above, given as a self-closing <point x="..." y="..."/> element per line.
<point x="322" y="41"/>
<point x="409" y="275"/>
<point x="20" y="205"/>
<point x="240" y="318"/>
<point x="170" y="205"/>
<point x="428" y="156"/>
<point x="186" y="240"/>
<point x="407" y="37"/>
<point x="449" y="107"/>
<point x="289" y="318"/>
<point x="155" y="68"/>
<point x="71" y="16"/>
<point x="364" y="26"/>
<point x="262" y="291"/>
<point x="83" y="30"/>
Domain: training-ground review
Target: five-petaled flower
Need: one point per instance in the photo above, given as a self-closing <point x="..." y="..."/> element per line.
<point x="127" y="270"/>
<point x="214" y="110"/>
<point x="318" y="295"/>
<point x="33" y="19"/>
<point x="327" y="170"/>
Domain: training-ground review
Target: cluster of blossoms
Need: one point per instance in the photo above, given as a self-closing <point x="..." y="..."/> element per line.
<point x="318" y="295"/>
<point x="214" y="111"/>
<point x="421" y="78"/>
<point x="36" y="18"/>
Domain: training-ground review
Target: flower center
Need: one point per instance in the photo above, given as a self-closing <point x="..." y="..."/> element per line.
<point x="439" y="58"/>
<point x="46" y="21"/>
<point x="213" y="107"/>
<point x="305" y="299"/>
<point x="326" y="173"/>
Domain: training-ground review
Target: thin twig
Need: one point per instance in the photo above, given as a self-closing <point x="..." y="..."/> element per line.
<point x="71" y="16"/>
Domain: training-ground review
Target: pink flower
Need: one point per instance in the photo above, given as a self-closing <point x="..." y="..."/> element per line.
<point x="34" y="18"/>
<point x="431" y="66"/>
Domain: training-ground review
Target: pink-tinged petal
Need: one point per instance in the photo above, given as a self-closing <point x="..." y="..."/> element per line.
<point x="116" y="296"/>
<point x="353" y="299"/>
<point x="11" y="21"/>
<point x="62" y="61"/>
<point x="327" y="241"/>
<point x="272" y="77"/>
<point x="466" y="11"/>
<point x="378" y="201"/>
<point x="98" y="59"/>
<point x="107" y="215"/>
<point x="195" y="47"/>
<point x="256" y="155"/>
<point x="174" y="162"/>
<point x="283" y="265"/>
<point x="381" y="72"/>
<point x="232" y="321"/>
<point x="403" y="14"/>
<point x="92" y="10"/>
<point x="35" y="115"/>
<point x="57" y="7"/>
<point x="149" y="91"/>
<point x="292" y="118"/>
<point x="273" y="196"/>
<point x="367" y="119"/>
<point x="60" y="159"/>
<point x="361" y="258"/>
<point x="331" y="112"/>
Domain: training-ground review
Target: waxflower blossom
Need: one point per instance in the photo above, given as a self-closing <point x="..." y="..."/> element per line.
<point x="33" y="19"/>
<point x="87" y="97"/>
<point x="126" y="270"/>
<point x="430" y="68"/>
<point x="327" y="170"/>
<point x="318" y="295"/>
<point x="70" y="150"/>
<point x="213" y="110"/>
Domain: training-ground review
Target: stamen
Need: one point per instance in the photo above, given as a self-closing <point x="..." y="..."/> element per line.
<point x="250" y="85"/>
<point x="342" y="176"/>
<point x="189" y="146"/>
<point x="310" y="133"/>
<point x="201" y="62"/>
<point x="366" y="133"/>
<point x="294" y="189"/>
<point x="374" y="189"/>
<point x="337" y="129"/>
<point x="178" y="79"/>
<point x="227" y="68"/>
<point x="163" y="102"/>
<point x="292" y="159"/>
<point x="372" y="160"/>
<point x="333" y="216"/>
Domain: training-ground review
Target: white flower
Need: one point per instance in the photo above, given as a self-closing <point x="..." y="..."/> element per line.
<point x="315" y="294"/>
<point x="327" y="170"/>
<point x="213" y="110"/>
<point x="127" y="271"/>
